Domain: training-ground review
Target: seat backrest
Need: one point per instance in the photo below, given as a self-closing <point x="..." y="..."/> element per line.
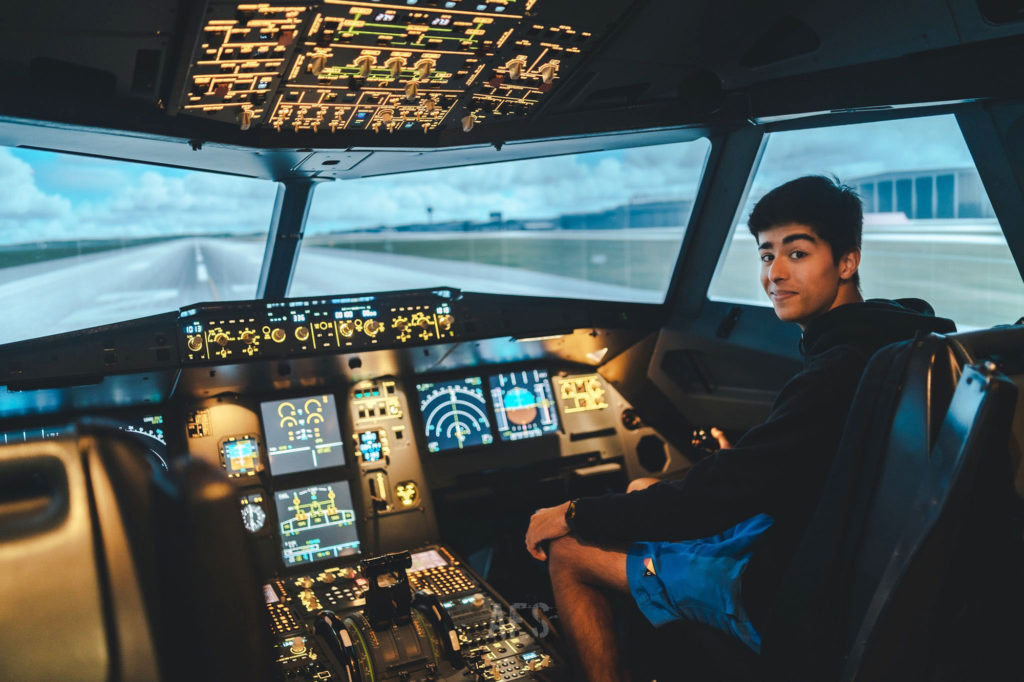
<point x="113" y="569"/>
<point x="897" y="419"/>
<point x="910" y="383"/>
<point x="905" y="589"/>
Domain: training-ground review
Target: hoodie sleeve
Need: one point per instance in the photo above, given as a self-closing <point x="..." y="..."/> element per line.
<point x="775" y="468"/>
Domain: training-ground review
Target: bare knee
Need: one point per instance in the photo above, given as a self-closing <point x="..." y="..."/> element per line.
<point x="640" y="484"/>
<point x="562" y="554"/>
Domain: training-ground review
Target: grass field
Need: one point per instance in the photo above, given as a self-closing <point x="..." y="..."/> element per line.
<point x="25" y="254"/>
<point x="636" y="263"/>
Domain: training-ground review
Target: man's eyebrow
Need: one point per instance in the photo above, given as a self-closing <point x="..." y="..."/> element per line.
<point x="789" y="239"/>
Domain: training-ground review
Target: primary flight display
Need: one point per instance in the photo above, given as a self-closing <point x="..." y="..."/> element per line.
<point x="524" y="406"/>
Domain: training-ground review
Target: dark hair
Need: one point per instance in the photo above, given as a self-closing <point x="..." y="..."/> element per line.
<point x="830" y="208"/>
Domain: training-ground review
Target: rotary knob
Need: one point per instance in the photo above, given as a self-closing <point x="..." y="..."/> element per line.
<point x="195" y="343"/>
<point x="248" y="337"/>
<point x="221" y="339"/>
<point x="305" y="582"/>
<point x="298" y="646"/>
<point x="365" y="63"/>
<point x="301" y="333"/>
<point x="372" y="327"/>
<point x="395" y="65"/>
<point x="278" y="335"/>
<point x="245" y="119"/>
<point x="349" y="573"/>
<point x="478" y="601"/>
<point x="328" y="578"/>
<point x="423" y="68"/>
<point x="316" y="64"/>
<point x="446" y="321"/>
<point x="346" y="328"/>
<point x="425" y="323"/>
<point x="515" y="69"/>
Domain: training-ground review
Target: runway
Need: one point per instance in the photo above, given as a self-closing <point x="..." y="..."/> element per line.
<point x="85" y="291"/>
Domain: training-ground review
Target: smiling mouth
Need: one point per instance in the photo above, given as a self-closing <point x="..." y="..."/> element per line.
<point x="782" y="295"/>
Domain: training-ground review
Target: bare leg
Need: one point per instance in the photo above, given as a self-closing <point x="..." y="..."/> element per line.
<point x="581" y="577"/>
<point x="641" y="483"/>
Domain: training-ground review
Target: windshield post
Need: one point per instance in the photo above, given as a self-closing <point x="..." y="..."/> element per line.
<point x="287" y="225"/>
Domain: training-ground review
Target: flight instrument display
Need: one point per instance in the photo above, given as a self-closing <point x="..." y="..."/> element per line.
<point x="455" y="414"/>
<point x="524" y="406"/>
<point x="316" y="522"/>
<point x="240" y="456"/>
<point x="302" y="434"/>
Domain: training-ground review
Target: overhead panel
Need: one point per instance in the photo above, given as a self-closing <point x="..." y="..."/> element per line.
<point x="414" y="65"/>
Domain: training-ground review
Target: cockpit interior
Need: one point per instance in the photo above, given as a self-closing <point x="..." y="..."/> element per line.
<point x="310" y="304"/>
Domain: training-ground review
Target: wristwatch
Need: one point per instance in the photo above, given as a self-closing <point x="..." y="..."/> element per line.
<point x="570" y="515"/>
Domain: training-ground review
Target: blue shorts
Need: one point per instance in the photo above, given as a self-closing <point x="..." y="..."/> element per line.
<point x="698" y="580"/>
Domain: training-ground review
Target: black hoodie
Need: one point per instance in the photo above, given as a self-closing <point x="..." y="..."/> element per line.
<point x="780" y="466"/>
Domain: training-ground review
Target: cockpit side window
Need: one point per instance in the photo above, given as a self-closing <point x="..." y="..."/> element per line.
<point x="929" y="229"/>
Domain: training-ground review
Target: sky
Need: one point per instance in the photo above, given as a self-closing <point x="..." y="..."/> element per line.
<point x="49" y="196"/>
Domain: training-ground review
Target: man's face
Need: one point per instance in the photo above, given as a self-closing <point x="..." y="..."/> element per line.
<point x="798" y="272"/>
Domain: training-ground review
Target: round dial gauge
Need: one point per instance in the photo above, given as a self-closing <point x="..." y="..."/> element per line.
<point x="253" y="515"/>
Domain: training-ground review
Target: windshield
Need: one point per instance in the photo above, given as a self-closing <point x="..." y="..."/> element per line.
<point x="601" y="225"/>
<point x="85" y="242"/>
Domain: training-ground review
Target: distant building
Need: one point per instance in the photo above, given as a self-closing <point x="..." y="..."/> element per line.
<point x="632" y="215"/>
<point x="925" y="195"/>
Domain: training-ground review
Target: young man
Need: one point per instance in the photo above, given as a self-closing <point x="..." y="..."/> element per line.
<point x="711" y="548"/>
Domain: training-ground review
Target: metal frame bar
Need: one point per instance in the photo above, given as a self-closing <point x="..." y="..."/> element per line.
<point x="287" y="225"/>
<point x="733" y="158"/>
<point x="986" y="127"/>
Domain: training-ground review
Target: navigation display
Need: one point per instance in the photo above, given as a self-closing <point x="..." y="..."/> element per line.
<point x="455" y="414"/>
<point x="524" y="406"/>
<point x="302" y="434"/>
<point x="316" y="522"/>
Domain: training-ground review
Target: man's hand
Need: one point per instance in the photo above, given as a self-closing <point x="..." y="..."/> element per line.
<point x="723" y="442"/>
<point x="545" y="524"/>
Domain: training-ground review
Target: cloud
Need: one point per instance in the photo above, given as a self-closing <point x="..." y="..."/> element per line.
<point x="25" y="210"/>
<point x="73" y="197"/>
<point x="863" y="149"/>
<point x="195" y="203"/>
<point x="531" y="189"/>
